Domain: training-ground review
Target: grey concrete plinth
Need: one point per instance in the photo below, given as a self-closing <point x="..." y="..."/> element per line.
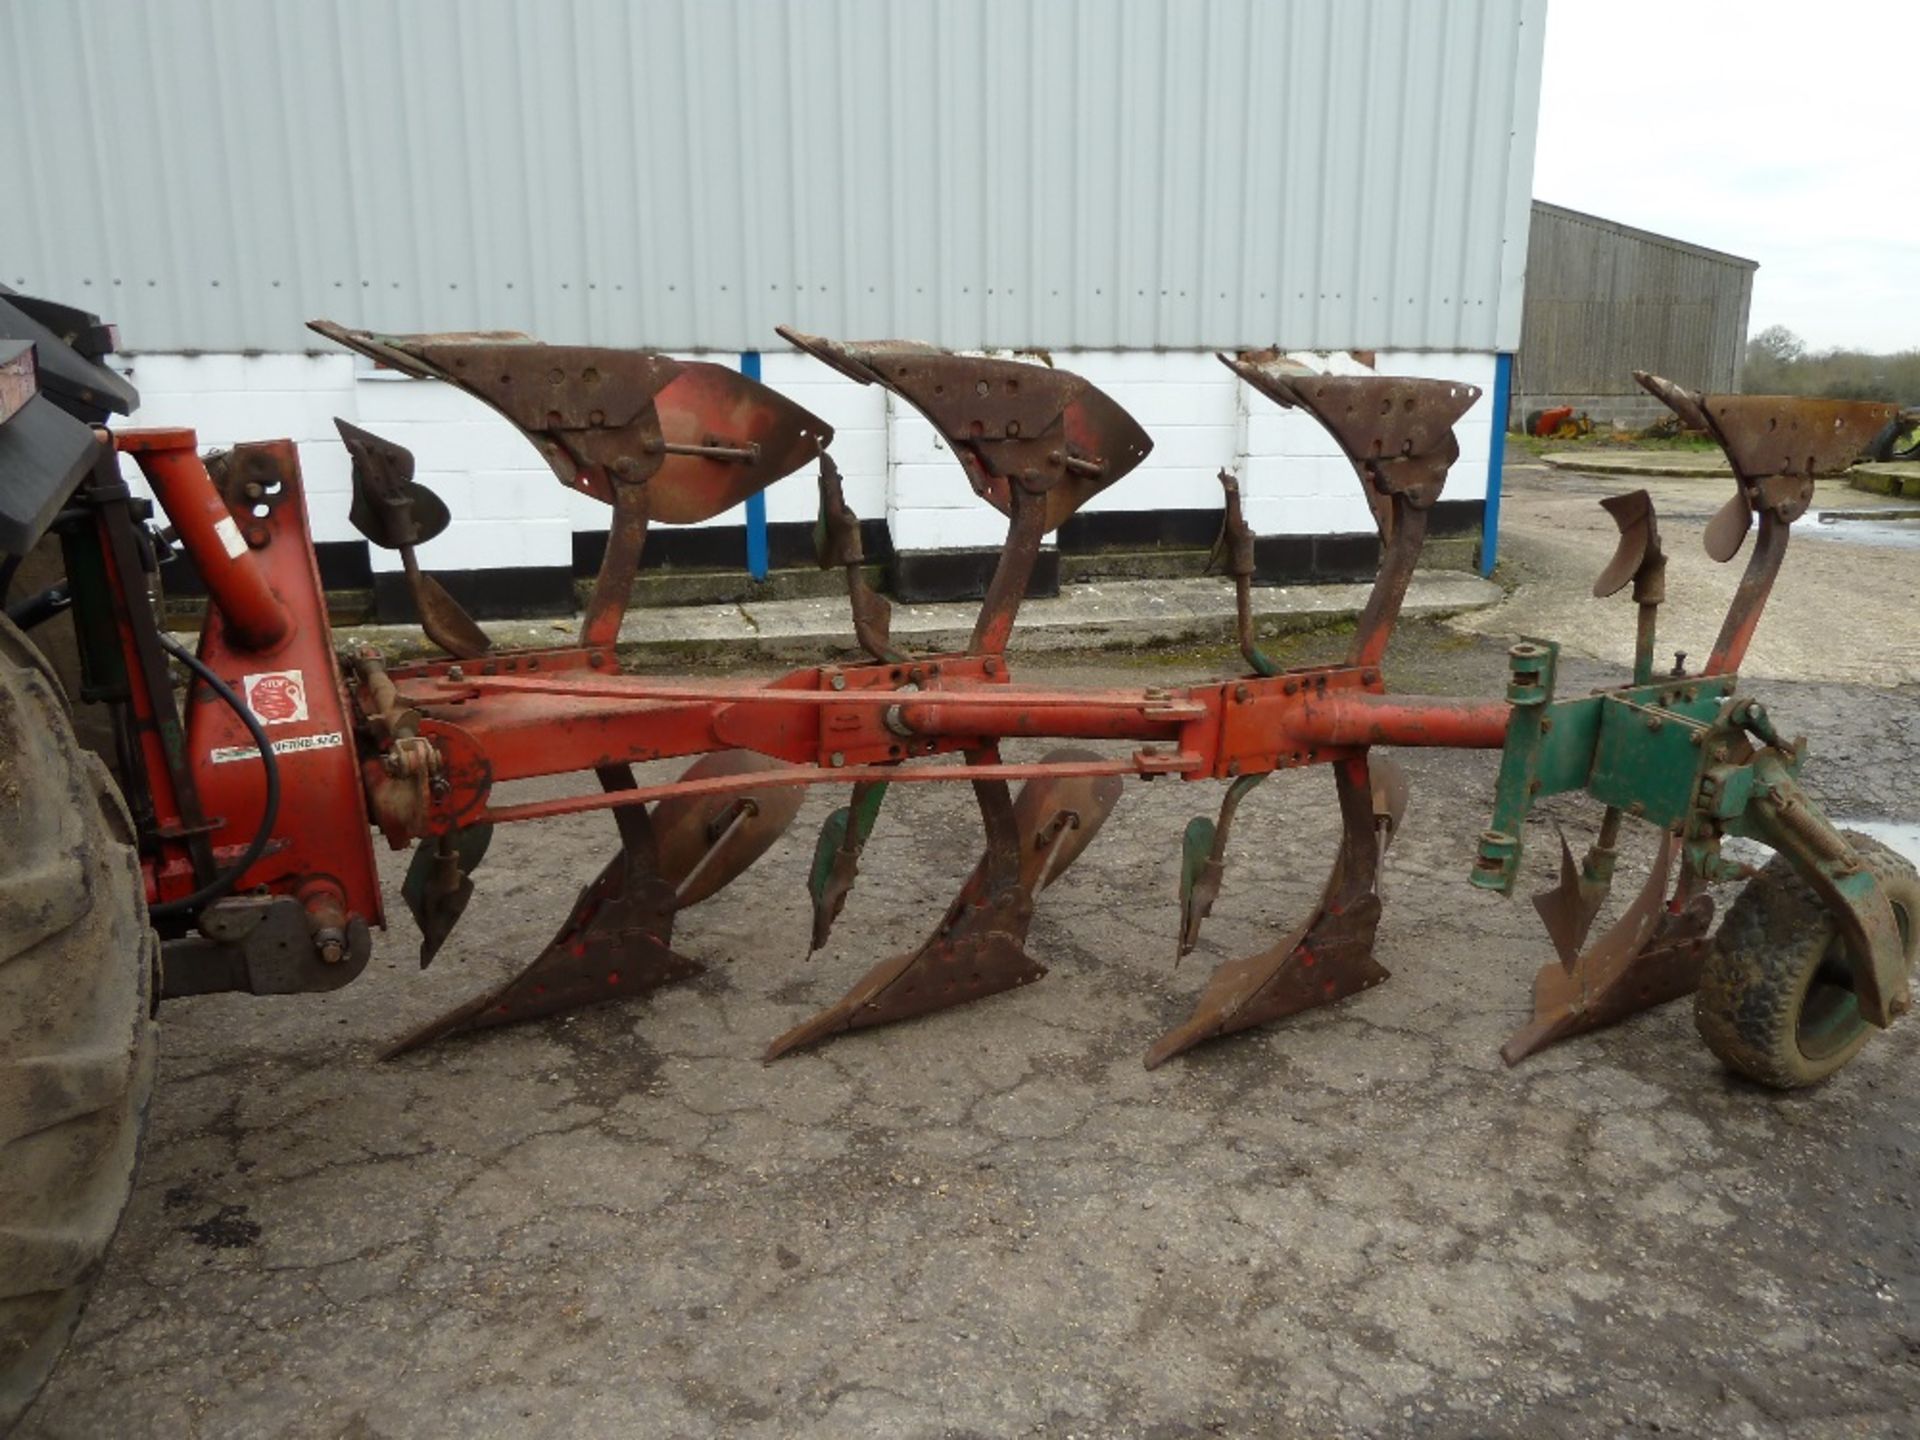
<point x="1671" y="464"/>
<point x="1113" y="615"/>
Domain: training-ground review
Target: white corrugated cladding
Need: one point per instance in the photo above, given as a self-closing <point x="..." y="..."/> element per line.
<point x="687" y="173"/>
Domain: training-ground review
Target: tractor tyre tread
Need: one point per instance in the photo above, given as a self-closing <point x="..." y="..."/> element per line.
<point x="78" y="966"/>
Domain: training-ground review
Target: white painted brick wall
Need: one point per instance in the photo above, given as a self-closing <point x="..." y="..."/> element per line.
<point x="858" y="414"/>
<point x="509" y="510"/>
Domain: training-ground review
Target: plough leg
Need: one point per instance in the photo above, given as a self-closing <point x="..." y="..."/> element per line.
<point x="1569" y="909"/>
<point x="1203" y="862"/>
<point x="979" y="947"/>
<point x="617" y="940"/>
<point x="439" y="884"/>
<point x="836" y="857"/>
<point x="1650" y="955"/>
<point x="836" y="542"/>
<point x="397" y="513"/>
<point x="1329" y="957"/>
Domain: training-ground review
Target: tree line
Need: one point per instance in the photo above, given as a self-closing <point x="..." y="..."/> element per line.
<point x="1779" y="363"/>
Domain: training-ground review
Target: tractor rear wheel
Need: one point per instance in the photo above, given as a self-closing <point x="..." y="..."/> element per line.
<point x="77" y="1035"/>
<point x="1776" y="1000"/>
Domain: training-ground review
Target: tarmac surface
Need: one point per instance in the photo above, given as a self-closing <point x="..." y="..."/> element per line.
<point x="993" y="1221"/>
<point x="1846" y="605"/>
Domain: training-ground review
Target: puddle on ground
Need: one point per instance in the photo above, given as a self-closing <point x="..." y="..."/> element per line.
<point x="1897" y="529"/>
<point x="1900" y="836"/>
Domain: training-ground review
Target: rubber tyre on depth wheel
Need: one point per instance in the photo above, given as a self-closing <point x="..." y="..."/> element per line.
<point x="1774" y="1003"/>
<point x="77" y="1036"/>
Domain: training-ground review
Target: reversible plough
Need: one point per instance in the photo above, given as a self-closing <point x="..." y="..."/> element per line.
<point x="255" y="813"/>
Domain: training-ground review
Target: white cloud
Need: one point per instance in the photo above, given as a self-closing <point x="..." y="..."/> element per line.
<point x="1785" y="132"/>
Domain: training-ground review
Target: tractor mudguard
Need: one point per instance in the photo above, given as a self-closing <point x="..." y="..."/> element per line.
<point x="53" y="391"/>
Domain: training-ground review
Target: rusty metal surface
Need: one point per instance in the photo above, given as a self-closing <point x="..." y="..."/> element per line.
<point x="704" y="436"/>
<point x="1398" y="435"/>
<point x="1235" y="548"/>
<point x="1396" y="431"/>
<point x="707" y="842"/>
<point x="1750" y="596"/>
<point x="837" y="858"/>
<point x="1569" y="909"/>
<point x="979" y="947"/>
<point x="1035" y="442"/>
<point x="837" y="544"/>
<point x="439" y="884"/>
<point x="1202" y="887"/>
<point x="1012" y="575"/>
<point x="1638" y="557"/>
<point x="1009" y="422"/>
<point x="1331" y="955"/>
<point x="619" y="563"/>
<point x="1777" y="445"/>
<point x="615" y="943"/>
<point x="1650" y="955"/>
<point x="396" y="512"/>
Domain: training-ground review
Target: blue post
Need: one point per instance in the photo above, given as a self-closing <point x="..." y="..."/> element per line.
<point x="1496" y="460"/>
<point x="757" y="503"/>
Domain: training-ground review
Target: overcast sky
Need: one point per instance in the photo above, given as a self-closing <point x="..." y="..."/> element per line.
<point x="1787" y="133"/>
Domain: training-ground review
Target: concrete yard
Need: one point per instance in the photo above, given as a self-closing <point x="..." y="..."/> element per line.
<point x="994" y="1222"/>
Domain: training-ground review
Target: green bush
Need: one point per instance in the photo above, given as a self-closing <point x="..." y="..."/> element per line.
<point x="1779" y="363"/>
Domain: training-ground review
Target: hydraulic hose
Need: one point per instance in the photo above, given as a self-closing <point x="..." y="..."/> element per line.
<point x="224" y="881"/>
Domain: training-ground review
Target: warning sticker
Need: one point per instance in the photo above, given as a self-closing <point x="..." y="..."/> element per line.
<point x="292" y="745"/>
<point x="279" y="697"/>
